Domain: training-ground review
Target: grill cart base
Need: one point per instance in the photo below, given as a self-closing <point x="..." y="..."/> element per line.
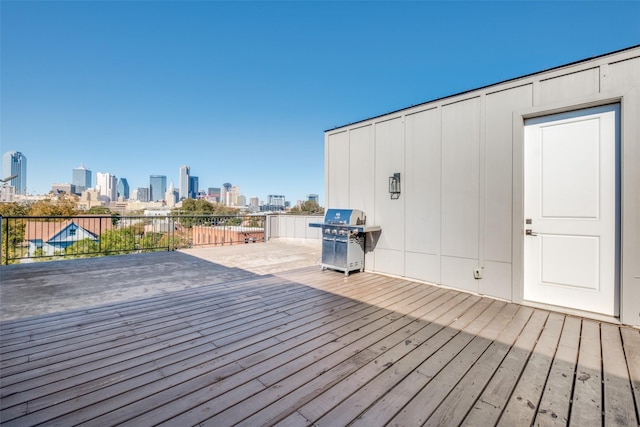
<point x="343" y="252"/>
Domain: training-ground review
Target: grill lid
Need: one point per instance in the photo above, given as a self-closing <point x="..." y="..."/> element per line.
<point x="347" y="219"/>
<point x="344" y="217"/>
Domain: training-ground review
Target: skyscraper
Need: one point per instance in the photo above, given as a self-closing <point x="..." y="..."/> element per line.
<point x="108" y="185"/>
<point x="157" y="187"/>
<point x="235" y="193"/>
<point x="123" y="188"/>
<point x="226" y="194"/>
<point x="81" y="178"/>
<point x="184" y="182"/>
<point x="15" y="163"/>
<point x="275" y="203"/>
<point x="142" y="194"/>
<point x="171" y="196"/>
<point x="193" y="187"/>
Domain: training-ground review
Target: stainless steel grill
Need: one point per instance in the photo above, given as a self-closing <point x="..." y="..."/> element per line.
<point x="343" y="239"/>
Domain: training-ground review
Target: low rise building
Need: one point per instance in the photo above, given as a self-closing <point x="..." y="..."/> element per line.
<point x="226" y="235"/>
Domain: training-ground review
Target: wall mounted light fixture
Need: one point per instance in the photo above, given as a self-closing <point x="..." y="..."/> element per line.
<point x="394" y="185"/>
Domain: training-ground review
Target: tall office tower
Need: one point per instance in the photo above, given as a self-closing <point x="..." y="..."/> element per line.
<point x="171" y="196"/>
<point x="123" y="188"/>
<point x="157" y="187"/>
<point x="143" y="194"/>
<point x="275" y="203"/>
<point x="254" y="201"/>
<point x="235" y="193"/>
<point x="184" y="182"/>
<point x="313" y="198"/>
<point x="15" y="163"/>
<point x="193" y="187"/>
<point x="213" y="194"/>
<point x="108" y="185"/>
<point x="226" y="194"/>
<point x="81" y="178"/>
<point x="275" y="200"/>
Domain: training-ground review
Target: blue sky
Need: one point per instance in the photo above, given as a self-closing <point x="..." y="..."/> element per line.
<point x="242" y="92"/>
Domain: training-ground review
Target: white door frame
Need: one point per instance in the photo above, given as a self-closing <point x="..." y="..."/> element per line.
<point x="591" y="229"/>
<point x="518" y="218"/>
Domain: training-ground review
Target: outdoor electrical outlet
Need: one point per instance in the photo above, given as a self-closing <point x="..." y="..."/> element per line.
<point x="477" y="273"/>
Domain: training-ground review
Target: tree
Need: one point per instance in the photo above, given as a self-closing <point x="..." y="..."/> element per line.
<point x="151" y="241"/>
<point x="98" y="210"/>
<point x="117" y="241"/>
<point x="308" y="208"/>
<point x="64" y="206"/>
<point x="82" y="249"/>
<point x="111" y="242"/>
<point x="103" y="210"/>
<point x="13" y="230"/>
<point x="13" y="209"/>
<point x="203" y="207"/>
<point x="255" y="221"/>
<point x="192" y="208"/>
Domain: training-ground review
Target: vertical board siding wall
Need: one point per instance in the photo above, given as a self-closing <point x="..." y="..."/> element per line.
<point x="460" y="160"/>
<point x="421" y="191"/>
<point x="460" y="193"/>
<point x="498" y="185"/>
<point x="389" y="158"/>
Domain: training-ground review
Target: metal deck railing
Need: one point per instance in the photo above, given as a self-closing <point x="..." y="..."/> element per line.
<point x="39" y="238"/>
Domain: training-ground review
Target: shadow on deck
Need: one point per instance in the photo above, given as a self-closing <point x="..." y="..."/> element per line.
<point x="222" y="346"/>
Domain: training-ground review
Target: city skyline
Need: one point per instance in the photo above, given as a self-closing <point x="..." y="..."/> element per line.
<point x="79" y="174"/>
<point x="82" y="178"/>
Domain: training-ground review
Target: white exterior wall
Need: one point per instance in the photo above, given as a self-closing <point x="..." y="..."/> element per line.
<point x="294" y="226"/>
<point x="461" y="165"/>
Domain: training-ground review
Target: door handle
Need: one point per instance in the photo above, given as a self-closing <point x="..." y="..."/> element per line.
<point x="529" y="232"/>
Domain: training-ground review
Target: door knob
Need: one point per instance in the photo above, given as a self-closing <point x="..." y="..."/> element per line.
<point x="529" y="232"/>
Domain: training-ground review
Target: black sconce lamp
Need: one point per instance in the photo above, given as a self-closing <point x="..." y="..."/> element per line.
<point x="394" y="185"/>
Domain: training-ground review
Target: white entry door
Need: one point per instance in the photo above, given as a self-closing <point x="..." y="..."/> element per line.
<point x="570" y="205"/>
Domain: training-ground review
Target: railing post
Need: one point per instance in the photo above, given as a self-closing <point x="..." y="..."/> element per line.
<point x="170" y="232"/>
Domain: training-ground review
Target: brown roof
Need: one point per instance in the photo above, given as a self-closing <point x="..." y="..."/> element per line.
<point x="46" y="230"/>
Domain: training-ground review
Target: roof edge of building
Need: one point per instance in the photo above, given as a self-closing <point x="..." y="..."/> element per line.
<point x="486" y="86"/>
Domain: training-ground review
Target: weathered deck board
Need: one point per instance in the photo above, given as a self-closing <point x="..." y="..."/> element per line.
<point x="631" y="340"/>
<point x="455" y="406"/>
<point x="489" y="406"/>
<point x="554" y="406"/>
<point x="312" y="347"/>
<point x="302" y="360"/>
<point x="619" y="407"/>
<point x="587" y="395"/>
<point x="526" y="396"/>
<point x="425" y="387"/>
<point x="384" y="354"/>
<point x="424" y="403"/>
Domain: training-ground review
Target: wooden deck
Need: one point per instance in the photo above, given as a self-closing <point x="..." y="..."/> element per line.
<point x="311" y="347"/>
